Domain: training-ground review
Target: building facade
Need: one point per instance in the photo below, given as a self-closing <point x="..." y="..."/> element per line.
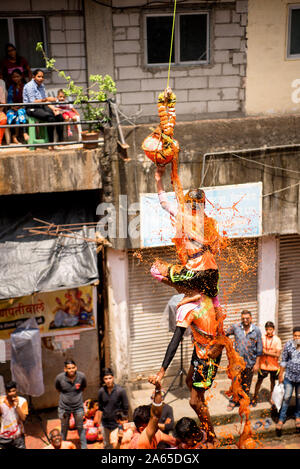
<point x="237" y="87"/>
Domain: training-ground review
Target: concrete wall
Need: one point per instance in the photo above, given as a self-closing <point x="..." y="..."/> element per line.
<point x="270" y="74"/>
<point x="266" y="143"/>
<point x="86" y="356"/>
<point x="44" y="171"/>
<point x="202" y="90"/>
<point x="117" y="269"/>
<point x="268" y="275"/>
<point x="65" y="35"/>
<point x="99" y="38"/>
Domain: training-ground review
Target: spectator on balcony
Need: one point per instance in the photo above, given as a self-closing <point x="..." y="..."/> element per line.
<point x="3" y="118"/>
<point x="12" y="61"/>
<point x="16" y="114"/>
<point x="68" y="112"/>
<point x="35" y="92"/>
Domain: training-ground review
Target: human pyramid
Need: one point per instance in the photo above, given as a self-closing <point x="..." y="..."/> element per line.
<point x="197" y="241"/>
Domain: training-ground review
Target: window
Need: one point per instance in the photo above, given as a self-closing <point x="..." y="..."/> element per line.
<point x="191" y="43"/>
<point x="294" y="31"/>
<point x="24" y="33"/>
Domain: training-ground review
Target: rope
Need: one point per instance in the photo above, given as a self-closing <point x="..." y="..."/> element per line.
<point x="171" y="45"/>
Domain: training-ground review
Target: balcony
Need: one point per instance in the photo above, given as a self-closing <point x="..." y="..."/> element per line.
<point x="32" y="167"/>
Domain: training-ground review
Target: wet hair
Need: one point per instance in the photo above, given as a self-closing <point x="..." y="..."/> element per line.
<point x="69" y="362"/>
<point x="270" y="324"/>
<point x="245" y="311"/>
<point x="52" y="431"/>
<point x="141" y="415"/>
<point x="296" y="329"/>
<point x="187" y="428"/>
<point x="36" y="71"/>
<point x="121" y="415"/>
<point x="10" y="385"/>
<point x="107" y="372"/>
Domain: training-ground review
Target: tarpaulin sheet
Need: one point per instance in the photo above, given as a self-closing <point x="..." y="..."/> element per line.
<point x="43" y="263"/>
<point x="26" y="358"/>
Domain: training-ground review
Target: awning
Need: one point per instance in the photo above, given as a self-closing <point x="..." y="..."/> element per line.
<point x="40" y="263"/>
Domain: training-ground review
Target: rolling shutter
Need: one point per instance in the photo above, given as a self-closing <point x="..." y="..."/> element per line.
<point x="238" y="288"/>
<point x="289" y="291"/>
<point x="149" y="332"/>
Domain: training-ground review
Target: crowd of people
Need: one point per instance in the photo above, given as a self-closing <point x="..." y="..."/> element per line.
<point x="18" y="85"/>
<point x="106" y="420"/>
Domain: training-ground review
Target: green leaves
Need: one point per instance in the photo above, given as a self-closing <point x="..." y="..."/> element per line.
<point x="100" y="89"/>
<point x="39" y="47"/>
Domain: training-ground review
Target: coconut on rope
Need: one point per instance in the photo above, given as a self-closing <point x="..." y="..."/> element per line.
<point x="160" y="146"/>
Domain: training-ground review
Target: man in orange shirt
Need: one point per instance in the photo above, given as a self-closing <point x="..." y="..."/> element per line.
<point x="146" y="418"/>
<point x="56" y="441"/>
<point x="269" y="360"/>
<point x="13" y="413"/>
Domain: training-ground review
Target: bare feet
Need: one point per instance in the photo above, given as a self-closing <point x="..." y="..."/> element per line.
<point x="15" y="140"/>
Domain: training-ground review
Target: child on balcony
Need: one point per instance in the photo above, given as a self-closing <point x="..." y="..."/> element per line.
<point x="67" y="110"/>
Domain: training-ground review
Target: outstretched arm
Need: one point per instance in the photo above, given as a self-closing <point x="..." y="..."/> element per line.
<point x="171" y="350"/>
<point x="159" y="172"/>
<point x="156" y="411"/>
<point x="164" y="202"/>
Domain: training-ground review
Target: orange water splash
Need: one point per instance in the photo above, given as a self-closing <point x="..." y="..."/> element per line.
<point x="236" y="364"/>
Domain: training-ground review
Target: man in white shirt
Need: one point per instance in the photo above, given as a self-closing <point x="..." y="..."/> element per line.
<point x="13" y="413"/>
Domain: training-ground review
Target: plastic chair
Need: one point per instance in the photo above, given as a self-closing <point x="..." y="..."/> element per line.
<point x="32" y="131"/>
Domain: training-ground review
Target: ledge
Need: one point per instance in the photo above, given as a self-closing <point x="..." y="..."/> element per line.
<point x="27" y="172"/>
<point x="222" y="135"/>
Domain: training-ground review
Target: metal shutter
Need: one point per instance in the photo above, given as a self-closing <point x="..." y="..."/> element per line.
<point x="238" y="289"/>
<point x="149" y="334"/>
<point x="289" y="290"/>
<point x="149" y="337"/>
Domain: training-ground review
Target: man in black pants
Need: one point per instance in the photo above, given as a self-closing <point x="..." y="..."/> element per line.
<point x="35" y="92"/>
<point x="70" y="384"/>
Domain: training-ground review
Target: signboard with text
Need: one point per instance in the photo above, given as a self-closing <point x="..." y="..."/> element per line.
<point x="57" y="312"/>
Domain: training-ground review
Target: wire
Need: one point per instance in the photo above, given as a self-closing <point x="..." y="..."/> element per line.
<point x="281" y="190"/>
<point x="265" y="164"/>
<point x="145" y="5"/>
<point x="171" y="45"/>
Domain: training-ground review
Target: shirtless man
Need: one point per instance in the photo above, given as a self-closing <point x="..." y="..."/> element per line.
<point x="146" y="419"/>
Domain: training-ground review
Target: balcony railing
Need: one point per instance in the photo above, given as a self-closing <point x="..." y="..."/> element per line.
<point x="80" y="122"/>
